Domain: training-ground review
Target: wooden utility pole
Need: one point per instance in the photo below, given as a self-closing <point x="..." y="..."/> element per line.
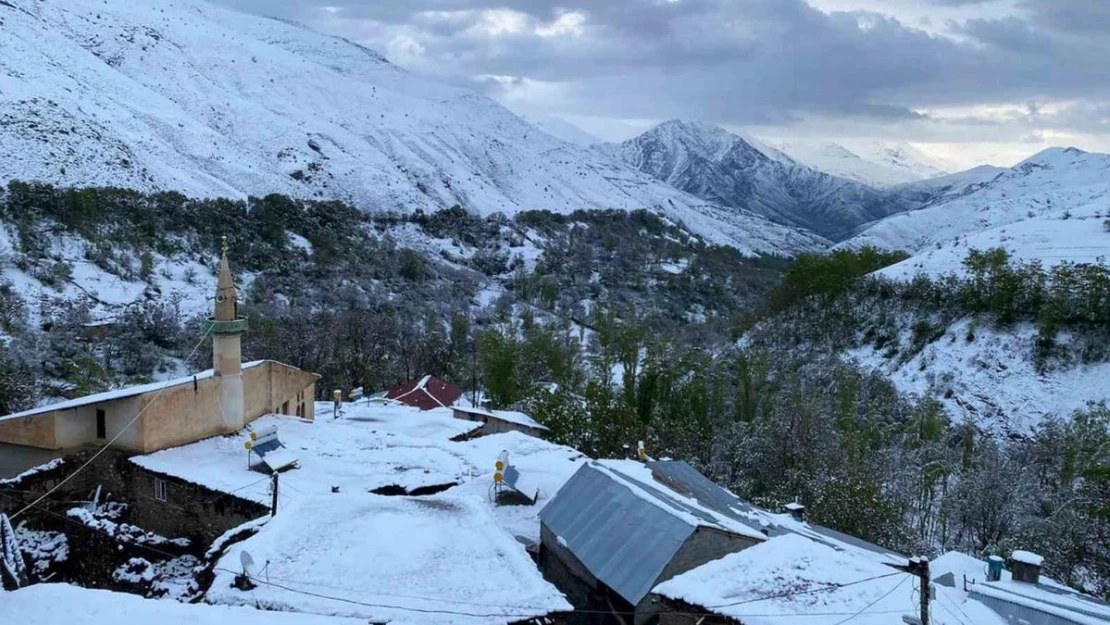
<point x="919" y="566"/>
<point x="274" y="489"/>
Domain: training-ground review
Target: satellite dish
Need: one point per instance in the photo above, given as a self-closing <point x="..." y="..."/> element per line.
<point x="247" y="561"/>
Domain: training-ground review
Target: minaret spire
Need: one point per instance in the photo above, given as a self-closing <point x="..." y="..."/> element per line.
<point x="226" y="326"/>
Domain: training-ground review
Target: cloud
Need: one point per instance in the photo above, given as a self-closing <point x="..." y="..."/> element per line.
<point x="750" y="62"/>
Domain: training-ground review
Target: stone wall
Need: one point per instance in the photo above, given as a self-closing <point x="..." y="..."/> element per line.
<point x="675" y="612"/>
<point x="584" y="591"/>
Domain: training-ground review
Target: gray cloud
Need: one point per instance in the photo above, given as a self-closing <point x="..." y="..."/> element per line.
<point x="744" y="62"/>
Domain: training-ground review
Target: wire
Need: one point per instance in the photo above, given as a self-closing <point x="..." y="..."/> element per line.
<point x="830" y="588"/>
<point x="114" y="438"/>
<point x="864" y="609"/>
<point x="532" y="610"/>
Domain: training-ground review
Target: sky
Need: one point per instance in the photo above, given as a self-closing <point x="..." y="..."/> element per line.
<point x="966" y="81"/>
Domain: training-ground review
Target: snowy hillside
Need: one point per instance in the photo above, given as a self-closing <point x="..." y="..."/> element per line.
<point x="562" y="129"/>
<point x="877" y="165"/>
<point x="1047" y="207"/>
<point x="721" y="167"/>
<point x="186" y="96"/>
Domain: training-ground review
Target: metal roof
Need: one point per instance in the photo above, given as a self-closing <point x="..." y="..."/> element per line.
<point x="623" y="539"/>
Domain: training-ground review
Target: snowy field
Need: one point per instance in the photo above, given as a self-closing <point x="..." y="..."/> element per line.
<point x="454" y="554"/>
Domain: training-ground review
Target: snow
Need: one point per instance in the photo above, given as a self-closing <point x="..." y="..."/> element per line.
<point x="399" y="554"/>
<point x="510" y="416"/>
<point x="565" y="130"/>
<point x="1027" y="557"/>
<point x="59" y="604"/>
<point x="355" y="542"/>
<point x="741" y="585"/>
<point x="129" y="391"/>
<point x="992" y="380"/>
<point x="1047" y="191"/>
<point x="188" y="96"/>
<point x="49" y="466"/>
<point x="1047" y="596"/>
<point x="640" y="472"/>
<point x="877" y="165"/>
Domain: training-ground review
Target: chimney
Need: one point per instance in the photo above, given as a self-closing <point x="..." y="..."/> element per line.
<point x="1026" y="566"/>
<point x="796" y="510"/>
<point x="994" y="568"/>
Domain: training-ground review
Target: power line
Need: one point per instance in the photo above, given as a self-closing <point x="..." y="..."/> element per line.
<point x="829" y="588"/>
<point x="864" y="609"/>
<point x="114" y="438"/>
<point x="532" y="610"/>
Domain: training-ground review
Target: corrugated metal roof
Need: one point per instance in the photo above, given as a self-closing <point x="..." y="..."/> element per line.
<point x="624" y="540"/>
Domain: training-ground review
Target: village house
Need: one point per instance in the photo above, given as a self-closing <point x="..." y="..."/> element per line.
<point x="426" y="393"/>
<point x="613" y="532"/>
<point x="155" y="416"/>
<point x="1019" y="593"/>
<point x="498" y="421"/>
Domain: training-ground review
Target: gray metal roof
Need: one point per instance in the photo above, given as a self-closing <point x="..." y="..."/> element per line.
<point x="623" y="539"/>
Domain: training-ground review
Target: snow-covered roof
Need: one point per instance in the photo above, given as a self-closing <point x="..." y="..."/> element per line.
<point x="455" y="551"/>
<point x="625" y="527"/>
<point x="1009" y="597"/>
<point x="749" y="585"/>
<point x="119" y="393"/>
<point x="1027" y="557"/>
<point x="54" y="604"/>
<point x="510" y="416"/>
<point x="406" y="560"/>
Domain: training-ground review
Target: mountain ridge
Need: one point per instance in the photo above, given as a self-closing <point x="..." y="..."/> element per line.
<point x="210" y="102"/>
<point x="719" y="166"/>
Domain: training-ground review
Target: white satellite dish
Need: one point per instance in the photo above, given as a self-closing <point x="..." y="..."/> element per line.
<point x="247" y="561"/>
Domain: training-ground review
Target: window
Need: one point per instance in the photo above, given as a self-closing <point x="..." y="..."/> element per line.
<point x="161" y="489"/>
<point x="101" y="425"/>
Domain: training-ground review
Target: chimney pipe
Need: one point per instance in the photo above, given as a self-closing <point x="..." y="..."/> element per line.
<point x="797" y="511"/>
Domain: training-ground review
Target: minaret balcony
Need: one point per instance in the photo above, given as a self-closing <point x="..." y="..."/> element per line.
<point x="234" y="326"/>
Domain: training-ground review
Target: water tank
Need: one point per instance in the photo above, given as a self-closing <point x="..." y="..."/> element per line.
<point x="994" y="568"/>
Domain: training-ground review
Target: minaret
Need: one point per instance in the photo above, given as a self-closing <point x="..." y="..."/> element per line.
<point x="227" y="353"/>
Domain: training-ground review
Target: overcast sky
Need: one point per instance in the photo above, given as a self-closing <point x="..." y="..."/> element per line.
<point x="967" y="80"/>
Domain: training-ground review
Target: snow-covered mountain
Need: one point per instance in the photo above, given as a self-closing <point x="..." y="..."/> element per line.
<point x="875" y="164"/>
<point x="722" y="167"/>
<point x="1049" y="207"/>
<point x="565" y="130"/>
<point x="187" y="96"/>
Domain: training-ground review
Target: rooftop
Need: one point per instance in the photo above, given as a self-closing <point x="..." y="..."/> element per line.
<point x="1047" y="596"/>
<point x="511" y="416"/>
<point x="451" y="555"/>
<point x="776" y="582"/>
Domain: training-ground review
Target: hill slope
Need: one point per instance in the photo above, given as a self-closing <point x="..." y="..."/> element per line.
<point x="1048" y="207"/>
<point x="186" y="96"/>
<point x="721" y="167"/>
<point x="881" y="165"/>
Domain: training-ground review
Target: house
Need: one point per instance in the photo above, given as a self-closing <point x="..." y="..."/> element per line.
<point x="1020" y="594"/>
<point x="427" y="393"/>
<point x="613" y="532"/>
<point x="789" y="575"/>
<point x="155" y="416"/>
<point x="497" y="421"/>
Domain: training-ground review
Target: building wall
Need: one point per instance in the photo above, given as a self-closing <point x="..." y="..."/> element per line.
<point x="179" y="415"/>
<point x="35" y="431"/>
<point x="675" y="612"/>
<point x="704" y="545"/>
<point x="172" y="416"/>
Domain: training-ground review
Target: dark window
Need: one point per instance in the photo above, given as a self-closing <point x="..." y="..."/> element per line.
<point x="285" y="408"/>
<point x="161" y="489"/>
<point x="101" y="425"/>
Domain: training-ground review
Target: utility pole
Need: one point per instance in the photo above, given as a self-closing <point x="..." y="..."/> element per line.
<point x="919" y="566"/>
<point x="274" y="490"/>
